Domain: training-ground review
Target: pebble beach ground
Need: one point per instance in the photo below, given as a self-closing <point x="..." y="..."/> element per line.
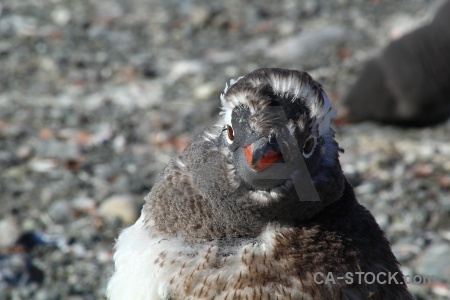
<point x="97" y="95"/>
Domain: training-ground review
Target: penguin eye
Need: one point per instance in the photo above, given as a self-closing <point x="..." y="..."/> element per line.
<point x="309" y="146"/>
<point x="230" y="133"/>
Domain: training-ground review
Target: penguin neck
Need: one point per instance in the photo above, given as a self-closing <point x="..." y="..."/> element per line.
<point x="236" y="215"/>
<point x="292" y="211"/>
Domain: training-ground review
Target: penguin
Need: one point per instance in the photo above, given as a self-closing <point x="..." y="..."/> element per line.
<point x="409" y="83"/>
<point x="258" y="207"/>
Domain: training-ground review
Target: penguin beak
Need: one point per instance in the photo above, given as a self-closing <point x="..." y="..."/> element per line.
<point x="262" y="154"/>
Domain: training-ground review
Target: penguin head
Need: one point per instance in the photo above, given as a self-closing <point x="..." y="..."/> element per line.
<point x="276" y="125"/>
<point x="271" y="157"/>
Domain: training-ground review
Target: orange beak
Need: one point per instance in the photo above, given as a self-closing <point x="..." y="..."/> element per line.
<point x="261" y="159"/>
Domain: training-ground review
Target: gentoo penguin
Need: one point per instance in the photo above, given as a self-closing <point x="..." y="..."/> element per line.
<point x="257" y="207"/>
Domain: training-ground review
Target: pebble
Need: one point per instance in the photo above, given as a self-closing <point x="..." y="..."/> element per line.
<point x="42" y="165"/>
<point x="60" y="211"/>
<point x="405" y="251"/>
<point x="308" y="42"/>
<point x="204" y="91"/>
<point x="9" y="231"/>
<point x="83" y="205"/>
<point x="435" y="260"/>
<point x="198" y="16"/>
<point x="61" y="16"/>
<point x="186" y="67"/>
<point x="122" y="207"/>
<point x="24" y="152"/>
<point x="366" y="188"/>
<point x="383" y="220"/>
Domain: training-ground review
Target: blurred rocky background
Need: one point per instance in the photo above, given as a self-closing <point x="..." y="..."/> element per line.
<point x="97" y="95"/>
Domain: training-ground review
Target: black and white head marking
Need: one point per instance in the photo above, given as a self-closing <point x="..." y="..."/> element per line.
<point x="303" y="127"/>
<point x="295" y="86"/>
<point x="284" y="85"/>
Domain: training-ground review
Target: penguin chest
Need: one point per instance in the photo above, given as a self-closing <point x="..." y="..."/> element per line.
<point x="247" y="271"/>
<point x="159" y="268"/>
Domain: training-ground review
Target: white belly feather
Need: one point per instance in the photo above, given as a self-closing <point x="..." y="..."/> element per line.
<point x="157" y="268"/>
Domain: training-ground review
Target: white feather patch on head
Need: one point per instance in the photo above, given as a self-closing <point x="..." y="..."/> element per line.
<point x="290" y="86"/>
<point x="285" y="86"/>
<point x="227" y="106"/>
